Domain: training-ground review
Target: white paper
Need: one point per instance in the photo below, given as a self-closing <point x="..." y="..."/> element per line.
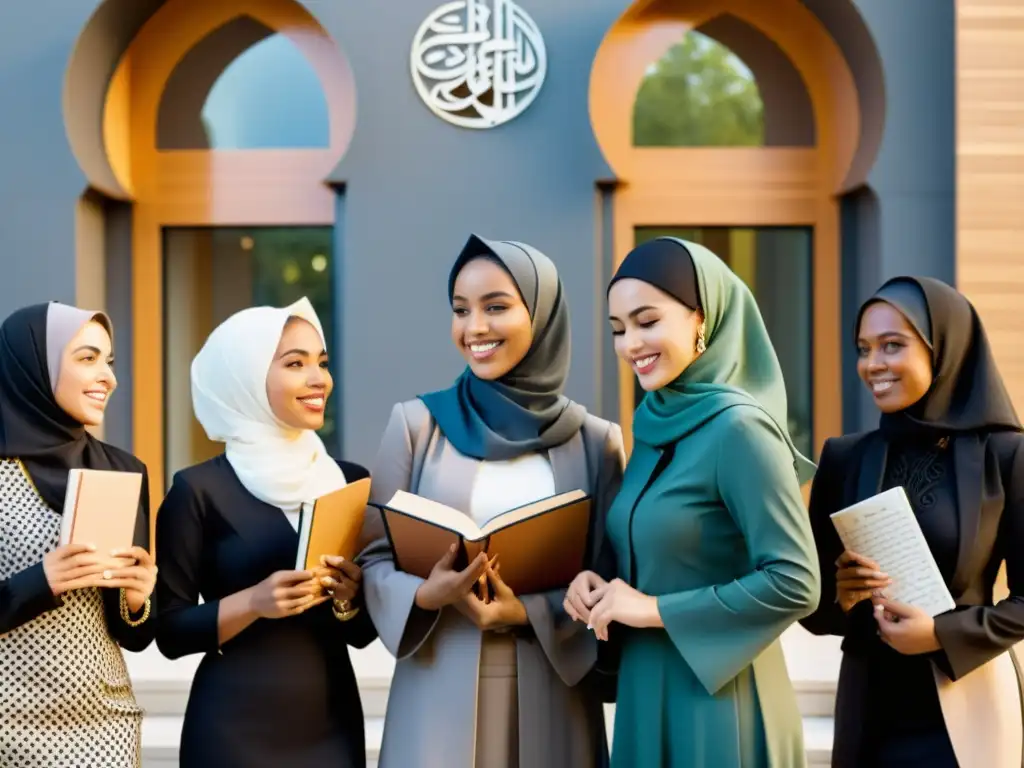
<point x="885" y="529"/>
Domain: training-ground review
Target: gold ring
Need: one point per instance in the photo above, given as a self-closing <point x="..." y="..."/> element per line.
<point x="343" y="611"/>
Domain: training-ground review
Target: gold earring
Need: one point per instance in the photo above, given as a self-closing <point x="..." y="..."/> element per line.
<point x="701" y="343"/>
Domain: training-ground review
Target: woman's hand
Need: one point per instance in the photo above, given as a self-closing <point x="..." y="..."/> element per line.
<point x="445" y="586"/>
<point x="857" y="579"/>
<point x="137" y="578"/>
<point x="617" y="601"/>
<point x="73" y="566"/>
<point x="579" y="597"/>
<point x="341" y="578"/>
<point x="285" y="593"/>
<point x="503" y="609"/>
<point x="904" y="628"/>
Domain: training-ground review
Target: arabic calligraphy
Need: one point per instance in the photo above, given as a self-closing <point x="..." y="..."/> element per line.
<point x="478" y="64"/>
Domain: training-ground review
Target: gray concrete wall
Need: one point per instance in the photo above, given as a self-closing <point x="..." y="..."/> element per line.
<point x="910" y="225"/>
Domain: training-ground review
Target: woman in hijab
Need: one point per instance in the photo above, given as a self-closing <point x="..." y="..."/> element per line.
<point x="949" y="436"/>
<point x="65" y="697"/>
<point x="496" y="684"/>
<point x="714" y="550"/>
<point x="275" y="686"/>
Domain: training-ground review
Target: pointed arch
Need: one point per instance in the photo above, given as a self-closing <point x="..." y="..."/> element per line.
<point x="159" y="105"/>
<point x="769" y="200"/>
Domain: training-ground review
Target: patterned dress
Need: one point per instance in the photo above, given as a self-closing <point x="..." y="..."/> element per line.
<point x="65" y="696"/>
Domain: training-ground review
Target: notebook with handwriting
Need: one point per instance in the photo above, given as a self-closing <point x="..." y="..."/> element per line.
<point x="331" y="525"/>
<point x="101" y="507"/>
<point x="541" y="545"/>
<point x="884" y="528"/>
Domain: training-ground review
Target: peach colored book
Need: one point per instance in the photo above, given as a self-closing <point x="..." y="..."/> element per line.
<point x="331" y="525"/>
<point x="540" y="546"/>
<point x="101" y="507"/>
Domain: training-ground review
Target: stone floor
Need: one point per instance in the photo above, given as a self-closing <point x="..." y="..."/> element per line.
<point x="162" y="689"/>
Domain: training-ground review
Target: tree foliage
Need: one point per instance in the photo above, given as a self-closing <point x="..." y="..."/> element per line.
<point x="698" y="94"/>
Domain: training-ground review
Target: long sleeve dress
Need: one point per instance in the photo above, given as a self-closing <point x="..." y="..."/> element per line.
<point x="66" y="700"/>
<point x="968" y="498"/>
<point x="719" y="534"/>
<point x="461" y="697"/>
<point x="282" y="692"/>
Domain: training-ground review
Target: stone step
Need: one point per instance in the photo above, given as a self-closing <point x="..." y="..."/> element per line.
<point x="160" y="735"/>
<point x="161" y="687"/>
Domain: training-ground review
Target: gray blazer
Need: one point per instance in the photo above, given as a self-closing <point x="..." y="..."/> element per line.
<point x="431" y="712"/>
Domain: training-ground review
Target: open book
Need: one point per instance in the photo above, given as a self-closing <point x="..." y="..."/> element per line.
<point x="541" y="545"/>
<point x="885" y="529"/>
<point x="101" y="507"/>
<point x="331" y="525"/>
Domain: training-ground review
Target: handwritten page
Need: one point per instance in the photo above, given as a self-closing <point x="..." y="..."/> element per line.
<point x="885" y="529"/>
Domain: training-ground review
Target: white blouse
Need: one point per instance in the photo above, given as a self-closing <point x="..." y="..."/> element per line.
<point x="503" y="485"/>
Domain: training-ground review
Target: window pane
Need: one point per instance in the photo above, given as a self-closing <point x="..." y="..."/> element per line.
<point x="775" y="263"/>
<point x="698" y="94"/>
<point x="269" y="97"/>
<point x="209" y="274"/>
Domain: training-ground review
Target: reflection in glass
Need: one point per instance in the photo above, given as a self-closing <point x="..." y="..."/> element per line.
<point x="209" y="274"/>
<point x="698" y="94"/>
<point x="775" y="263"/>
<point x="269" y="97"/>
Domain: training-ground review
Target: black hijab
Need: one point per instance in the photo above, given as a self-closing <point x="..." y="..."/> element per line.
<point x="33" y="427"/>
<point x="967" y="394"/>
<point x="524" y="411"/>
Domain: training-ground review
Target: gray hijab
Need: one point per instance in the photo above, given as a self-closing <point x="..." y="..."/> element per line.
<point x="62" y="323"/>
<point x="524" y="411"/>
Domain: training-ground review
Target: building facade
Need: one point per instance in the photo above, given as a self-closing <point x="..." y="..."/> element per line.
<point x="172" y="161"/>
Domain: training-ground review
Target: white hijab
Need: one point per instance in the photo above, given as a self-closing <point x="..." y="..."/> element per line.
<point x="277" y="464"/>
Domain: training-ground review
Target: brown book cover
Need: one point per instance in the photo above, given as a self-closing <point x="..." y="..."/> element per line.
<point x="101" y="507"/>
<point x="540" y="546"/>
<point x="331" y="525"/>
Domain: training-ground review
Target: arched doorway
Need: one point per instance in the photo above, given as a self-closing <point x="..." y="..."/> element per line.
<point x="220" y="124"/>
<point x="734" y="122"/>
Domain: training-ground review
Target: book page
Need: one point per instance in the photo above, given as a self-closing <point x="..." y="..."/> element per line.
<point x="885" y="529"/>
<point x="435" y="513"/>
<point x="534" y="508"/>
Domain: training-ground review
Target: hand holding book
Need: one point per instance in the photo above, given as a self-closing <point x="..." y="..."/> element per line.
<point x="447" y="586"/>
<point x="500" y="608"/>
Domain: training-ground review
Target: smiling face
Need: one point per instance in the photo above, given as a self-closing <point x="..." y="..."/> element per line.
<point x="653" y="332"/>
<point x="298" y="382"/>
<point x="892" y="359"/>
<point x="86" y="376"/>
<point x="491" y="324"/>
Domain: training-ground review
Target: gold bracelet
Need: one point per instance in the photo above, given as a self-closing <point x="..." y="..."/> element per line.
<point x="341" y="613"/>
<point x="126" y="614"/>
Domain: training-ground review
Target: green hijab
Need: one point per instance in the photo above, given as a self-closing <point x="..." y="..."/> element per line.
<point x="738" y="367"/>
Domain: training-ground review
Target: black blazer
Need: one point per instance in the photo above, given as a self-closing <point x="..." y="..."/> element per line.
<point x="989" y="481"/>
<point x="282" y="691"/>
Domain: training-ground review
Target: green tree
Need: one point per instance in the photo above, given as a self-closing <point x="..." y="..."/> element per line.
<point x="698" y="94"/>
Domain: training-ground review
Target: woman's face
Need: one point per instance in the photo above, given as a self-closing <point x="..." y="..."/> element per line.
<point x="86" y="378"/>
<point x="491" y="324"/>
<point x="653" y="332"/>
<point x="298" y="382"/>
<point x="892" y="359"/>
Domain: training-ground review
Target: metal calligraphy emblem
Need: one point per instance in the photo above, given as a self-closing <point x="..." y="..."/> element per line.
<point x="478" y="64"/>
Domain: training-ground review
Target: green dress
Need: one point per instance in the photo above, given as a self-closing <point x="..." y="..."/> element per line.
<point x="710" y="520"/>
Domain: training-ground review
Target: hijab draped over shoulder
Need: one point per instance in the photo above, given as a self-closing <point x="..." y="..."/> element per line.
<point x="525" y="410"/>
<point x="967" y="393"/>
<point x="277" y="464"/>
<point x="739" y="365"/>
<point x="33" y="427"/>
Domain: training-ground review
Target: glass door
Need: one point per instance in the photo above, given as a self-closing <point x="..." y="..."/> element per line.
<point x="209" y="274"/>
